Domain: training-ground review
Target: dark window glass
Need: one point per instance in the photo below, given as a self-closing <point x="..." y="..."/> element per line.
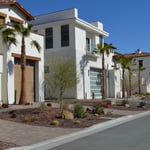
<point x="141" y="63"/>
<point x="49" y="38"/>
<point x="65" y="35"/>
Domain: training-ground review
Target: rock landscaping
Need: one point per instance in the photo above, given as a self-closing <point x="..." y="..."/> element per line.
<point x="81" y="114"/>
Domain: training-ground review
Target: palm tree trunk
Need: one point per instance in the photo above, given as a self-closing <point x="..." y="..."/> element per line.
<point x="139" y="80"/>
<point x="23" y="99"/>
<point x="103" y="78"/>
<point x="130" y="84"/>
<point x="123" y="84"/>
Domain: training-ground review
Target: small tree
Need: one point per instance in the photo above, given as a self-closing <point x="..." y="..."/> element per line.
<point x="62" y="76"/>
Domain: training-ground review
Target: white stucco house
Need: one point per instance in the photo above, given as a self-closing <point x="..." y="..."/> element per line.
<point x="140" y="77"/>
<point x="10" y="71"/>
<point x="66" y="35"/>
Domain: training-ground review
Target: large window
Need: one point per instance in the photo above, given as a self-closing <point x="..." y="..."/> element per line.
<point x="65" y="35"/>
<point x="48" y="38"/>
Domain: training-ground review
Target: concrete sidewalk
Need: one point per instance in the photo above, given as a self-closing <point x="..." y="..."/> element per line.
<point x="23" y="135"/>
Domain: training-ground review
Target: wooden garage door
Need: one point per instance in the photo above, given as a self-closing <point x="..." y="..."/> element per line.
<point x="29" y="83"/>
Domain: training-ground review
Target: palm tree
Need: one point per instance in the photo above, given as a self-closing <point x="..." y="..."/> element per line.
<point x="128" y="67"/>
<point x="125" y="64"/>
<point x="140" y="68"/>
<point x="104" y="48"/>
<point x="9" y="35"/>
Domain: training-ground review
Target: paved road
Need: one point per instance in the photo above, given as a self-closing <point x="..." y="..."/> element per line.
<point x="134" y="135"/>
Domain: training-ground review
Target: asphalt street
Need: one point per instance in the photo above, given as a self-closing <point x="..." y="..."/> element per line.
<point x="133" y="135"/>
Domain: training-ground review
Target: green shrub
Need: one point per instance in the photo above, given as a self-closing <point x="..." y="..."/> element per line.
<point x="79" y="111"/>
<point x="124" y="102"/>
<point x="141" y="104"/>
<point x="98" y="110"/>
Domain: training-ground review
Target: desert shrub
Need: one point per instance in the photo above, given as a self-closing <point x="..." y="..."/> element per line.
<point x="141" y="104"/>
<point x="55" y="122"/>
<point x="77" y="122"/>
<point x="98" y="110"/>
<point x="42" y="107"/>
<point x="124" y="102"/>
<point x="29" y="119"/>
<point x="79" y="111"/>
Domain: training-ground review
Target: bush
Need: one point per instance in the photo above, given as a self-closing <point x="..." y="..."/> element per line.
<point x="42" y="107"/>
<point x="141" y="104"/>
<point x="29" y="119"/>
<point x="98" y="110"/>
<point x="124" y="102"/>
<point x="79" y="111"/>
<point x="55" y="122"/>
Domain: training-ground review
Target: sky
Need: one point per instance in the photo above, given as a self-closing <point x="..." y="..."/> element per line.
<point x="126" y="21"/>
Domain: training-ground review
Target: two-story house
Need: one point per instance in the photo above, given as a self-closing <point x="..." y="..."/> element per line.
<point x="66" y="35"/>
<point x="140" y="72"/>
<point x="11" y="12"/>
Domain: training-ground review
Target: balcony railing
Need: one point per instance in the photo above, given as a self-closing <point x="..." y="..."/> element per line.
<point x="91" y="47"/>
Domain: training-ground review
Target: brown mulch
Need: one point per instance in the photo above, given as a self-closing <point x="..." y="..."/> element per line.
<point x="34" y="116"/>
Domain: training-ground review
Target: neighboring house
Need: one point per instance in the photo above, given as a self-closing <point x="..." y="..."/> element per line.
<point x="10" y="71"/>
<point x="142" y="59"/>
<point x="66" y="35"/>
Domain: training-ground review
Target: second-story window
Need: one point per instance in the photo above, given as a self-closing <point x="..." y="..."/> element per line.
<point x="87" y="44"/>
<point x="65" y="35"/>
<point x="48" y="38"/>
<point x="141" y="63"/>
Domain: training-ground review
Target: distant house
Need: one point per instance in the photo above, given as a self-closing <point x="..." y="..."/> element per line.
<point x="140" y="59"/>
<point x="10" y="71"/>
<point x="66" y="35"/>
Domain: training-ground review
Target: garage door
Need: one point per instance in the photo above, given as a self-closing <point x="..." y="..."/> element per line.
<point x="95" y="83"/>
<point x="29" y="83"/>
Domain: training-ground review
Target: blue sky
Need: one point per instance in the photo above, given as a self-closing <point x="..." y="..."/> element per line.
<point x="127" y="21"/>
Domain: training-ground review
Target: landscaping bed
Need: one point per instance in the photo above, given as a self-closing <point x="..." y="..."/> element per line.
<point x="34" y="116"/>
<point x="49" y="116"/>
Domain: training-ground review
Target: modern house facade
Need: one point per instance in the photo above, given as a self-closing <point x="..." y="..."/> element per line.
<point x="68" y="36"/>
<point x="12" y="12"/>
<point x="140" y="72"/>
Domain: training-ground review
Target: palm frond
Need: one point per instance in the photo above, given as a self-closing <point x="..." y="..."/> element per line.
<point x="9" y="36"/>
<point x="36" y="45"/>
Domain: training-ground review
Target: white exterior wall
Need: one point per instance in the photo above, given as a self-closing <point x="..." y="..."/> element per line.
<point x="7" y="90"/>
<point x="145" y="75"/>
<point x="79" y="30"/>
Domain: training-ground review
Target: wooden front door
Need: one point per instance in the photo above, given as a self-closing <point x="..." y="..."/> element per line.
<point x="29" y="83"/>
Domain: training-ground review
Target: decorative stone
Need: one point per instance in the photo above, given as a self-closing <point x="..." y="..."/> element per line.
<point x="67" y="115"/>
<point x="127" y="105"/>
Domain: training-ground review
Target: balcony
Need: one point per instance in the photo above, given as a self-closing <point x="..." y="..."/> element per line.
<point x="92" y="52"/>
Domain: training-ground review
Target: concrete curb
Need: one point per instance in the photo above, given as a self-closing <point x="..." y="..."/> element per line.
<point x="49" y="144"/>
